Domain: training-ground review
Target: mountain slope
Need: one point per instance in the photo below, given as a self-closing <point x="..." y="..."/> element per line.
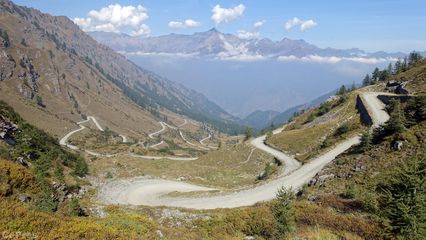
<point x="46" y="35"/>
<point x="259" y="119"/>
<point x="264" y="119"/>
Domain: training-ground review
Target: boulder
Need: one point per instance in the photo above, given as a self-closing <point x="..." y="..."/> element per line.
<point x="22" y="161"/>
<point x="24" y="198"/>
<point x="397" y="145"/>
<point x="160" y="234"/>
<point x="401" y="89"/>
<point x="393" y="84"/>
<point x="358" y="167"/>
<point x="320" y="180"/>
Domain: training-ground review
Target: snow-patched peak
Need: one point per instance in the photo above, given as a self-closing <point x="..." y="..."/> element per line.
<point x="213" y="43"/>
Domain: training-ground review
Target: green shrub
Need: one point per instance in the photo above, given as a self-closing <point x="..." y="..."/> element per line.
<point x="45" y="202"/>
<point x="39" y="101"/>
<point x="269" y="170"/>
<point x="80" y="167"/>
<point x="342" y="129"/>
<point x="75" y="208"/>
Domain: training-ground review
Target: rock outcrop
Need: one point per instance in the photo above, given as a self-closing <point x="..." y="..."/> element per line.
<point x="7" y="130"/>
<point x="7" y="66"/>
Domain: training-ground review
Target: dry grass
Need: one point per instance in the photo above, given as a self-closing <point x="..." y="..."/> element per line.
<point x="305" y="140"/>
<point x="313" y="215"/>
<point x="416" y="78"/>
<point x="224" y="168"/>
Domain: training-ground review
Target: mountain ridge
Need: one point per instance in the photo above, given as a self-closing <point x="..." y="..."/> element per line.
<point x="213" y="42"/>
<point x="145" y="88"/>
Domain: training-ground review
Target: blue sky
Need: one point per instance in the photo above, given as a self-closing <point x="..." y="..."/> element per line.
<point x="374" y="25"/>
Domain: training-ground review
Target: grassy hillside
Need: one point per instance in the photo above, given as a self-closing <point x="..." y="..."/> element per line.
<point x="34" y="167"/>
<point x="318" y="129"/>
<point x="383" y="181"/>
<point x="65" y="63"/>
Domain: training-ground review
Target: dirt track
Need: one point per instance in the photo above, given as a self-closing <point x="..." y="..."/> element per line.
<point x="151" y="192"/>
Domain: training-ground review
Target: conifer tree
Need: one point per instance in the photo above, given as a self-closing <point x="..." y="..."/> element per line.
<point x="396" y="123"/>
<point x="283" y="213"/>
<point x="403" y="200"/>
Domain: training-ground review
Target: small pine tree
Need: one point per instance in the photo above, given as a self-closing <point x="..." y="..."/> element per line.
<point x="342" y="90"/>
<point x="397" y="67"/>
<point x="403" y="200"/>
<point x="283" y="212"/>
<point x="396" y="123"/>
<point x="390" y="69"/>
<point x="248" y="133"/>
<point x="366" y="141"/>
<point x="366" y="81"/>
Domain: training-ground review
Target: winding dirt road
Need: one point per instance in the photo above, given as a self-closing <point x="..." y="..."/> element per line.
<point x="63" y="141"/>
<point x="151" y="192"/>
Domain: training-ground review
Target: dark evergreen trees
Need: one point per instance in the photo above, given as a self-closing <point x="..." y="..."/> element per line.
<point x="367" y="80"/>
<point x="376" y="75"/>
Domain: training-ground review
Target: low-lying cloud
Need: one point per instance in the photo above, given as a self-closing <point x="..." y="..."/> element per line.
<point x="334" y="59"/>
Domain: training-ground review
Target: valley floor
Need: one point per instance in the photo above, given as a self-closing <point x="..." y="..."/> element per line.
<point x="153" y="192"/>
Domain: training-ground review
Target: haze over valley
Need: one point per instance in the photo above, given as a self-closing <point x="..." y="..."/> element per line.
<point x="246" y="75"/>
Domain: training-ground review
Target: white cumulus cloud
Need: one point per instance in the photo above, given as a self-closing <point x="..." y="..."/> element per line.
<point x="185" y="24"/>
<point x="116" y="18"/>
<point x="304" y="25"/>
<point x="307" y="24"/>
<point x="259" y="24"/>
<point x="227" y="14"/>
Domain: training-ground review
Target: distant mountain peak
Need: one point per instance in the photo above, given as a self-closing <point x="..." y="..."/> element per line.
<point x="213" y="30"/>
